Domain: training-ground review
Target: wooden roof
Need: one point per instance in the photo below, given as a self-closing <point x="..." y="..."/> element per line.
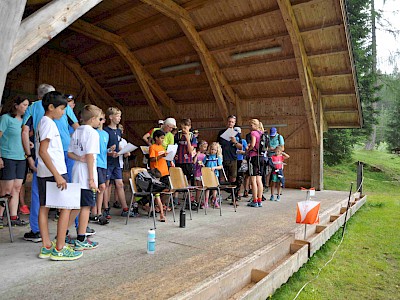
<point x="124" y="44"/>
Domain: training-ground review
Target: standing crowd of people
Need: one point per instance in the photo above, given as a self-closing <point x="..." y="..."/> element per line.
<point x="47" y="138"/>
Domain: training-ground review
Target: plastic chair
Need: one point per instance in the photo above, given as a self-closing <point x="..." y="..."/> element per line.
<point x="178" y="183"/>
<point x="210" y="182"/>
<point x="5" y="200"/>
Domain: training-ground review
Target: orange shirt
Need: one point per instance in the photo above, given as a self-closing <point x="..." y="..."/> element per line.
<point x="161" y="164"/>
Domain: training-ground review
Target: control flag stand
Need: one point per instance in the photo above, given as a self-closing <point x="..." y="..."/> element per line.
<point x="308" y="211"/>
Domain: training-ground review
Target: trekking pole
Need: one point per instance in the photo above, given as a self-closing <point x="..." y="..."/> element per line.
<point x="347" y="209"/>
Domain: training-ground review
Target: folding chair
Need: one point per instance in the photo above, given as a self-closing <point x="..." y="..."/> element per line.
<point x="5" y="199"/>
<point x="211" y="183"/>
<point x="178" y="183"/>
<point x="227" y="186"/>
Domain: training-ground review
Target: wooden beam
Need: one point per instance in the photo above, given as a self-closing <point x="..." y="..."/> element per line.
<point x="37" y="29"/>
<point x="10" y="19"/>
<point x="169" y="9"/>
<point x="144" y="78"/>
<point x="96" y="33"/>
<point x="137" y="69"/>
<point x="304" y="71"/>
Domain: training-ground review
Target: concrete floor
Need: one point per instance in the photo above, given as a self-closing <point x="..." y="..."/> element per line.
<point x="120" y="268"/>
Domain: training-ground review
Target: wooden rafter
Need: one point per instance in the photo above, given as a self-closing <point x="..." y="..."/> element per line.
<point x="303" y="67"/>
<point x="145" y="80"/>
<point x="113" y="13"/>
<point x="219" y="84"/>
<point x="37" y="29"/>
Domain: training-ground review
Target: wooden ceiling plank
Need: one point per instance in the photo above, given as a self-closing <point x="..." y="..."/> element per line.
<point x="122" y="48"/>
<point x="113" y="13"/>
<point x="137" y="69"/>
<point x="38" y="28"/>
<point x="305" y="74"/>
<point x="169" y="8"/>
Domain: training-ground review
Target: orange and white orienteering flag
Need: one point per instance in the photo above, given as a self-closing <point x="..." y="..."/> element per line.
<point x="308" y="212"/>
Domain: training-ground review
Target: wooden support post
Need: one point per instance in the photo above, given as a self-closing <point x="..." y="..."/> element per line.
<point x="360" y="176"/>
<point x="10" y="18"/>
<point x="317" y="151"/>
<point x="40" y="27"/>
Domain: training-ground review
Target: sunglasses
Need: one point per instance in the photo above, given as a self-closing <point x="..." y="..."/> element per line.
<point x="232" y="117"/>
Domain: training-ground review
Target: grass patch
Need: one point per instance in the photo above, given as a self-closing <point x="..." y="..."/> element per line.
<point x="366" y="266"/>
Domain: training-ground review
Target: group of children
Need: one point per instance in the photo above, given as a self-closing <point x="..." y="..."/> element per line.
<point x="96" y="162"/>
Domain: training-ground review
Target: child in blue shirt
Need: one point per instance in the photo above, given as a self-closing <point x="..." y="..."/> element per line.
<point x="213" y="160"/>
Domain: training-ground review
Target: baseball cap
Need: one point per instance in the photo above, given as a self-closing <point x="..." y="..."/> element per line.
<point x="170" y="122"/>
<point x="160" y="122"/>
<point x="272" y="132"/>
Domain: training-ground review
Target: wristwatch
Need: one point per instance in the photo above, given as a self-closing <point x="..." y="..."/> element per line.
<point x="27" y="156"/>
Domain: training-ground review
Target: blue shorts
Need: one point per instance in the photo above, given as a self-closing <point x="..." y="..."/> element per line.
<point x="42" y="187"/>
<point x="88" y="198"/>
<point x="114" y="173"/>
<point x="13" y="169"/>
<point x="102" y="175"/>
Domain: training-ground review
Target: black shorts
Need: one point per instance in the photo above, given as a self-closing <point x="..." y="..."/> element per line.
<point x="230" y="167"/>
<point x="88" y="198"/>
<point x="102" y="175"/>
<point x="13" y="169"/>
<point x="187" y="170"/>
<point x="257" y="166"/>
<point x="42" y="187"/>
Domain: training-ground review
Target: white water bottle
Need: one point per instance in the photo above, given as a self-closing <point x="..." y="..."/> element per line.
<point x="151" y="241"/>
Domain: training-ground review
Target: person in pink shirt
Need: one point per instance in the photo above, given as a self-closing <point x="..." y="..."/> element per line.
<point x="198" y="164"/>
<point x="277" y="173"/>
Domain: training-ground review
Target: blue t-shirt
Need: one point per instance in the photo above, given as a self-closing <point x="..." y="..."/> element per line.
<point x="11" y="141"/>
<point x="241" y="156"/>
<point x="212" y="160"/>
<point x="114" y="139"/>
<point x="35" y="112"/>
<point x="102" y="157"/>
<point x="228" y="148"/>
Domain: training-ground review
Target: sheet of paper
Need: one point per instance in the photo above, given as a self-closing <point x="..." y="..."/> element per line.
<point x="145" y="149"/>
<point x="67" y="199"/>
<point x="228" y="134"/>
<point x="128" y="148"/>
<point x="171" y="150"/>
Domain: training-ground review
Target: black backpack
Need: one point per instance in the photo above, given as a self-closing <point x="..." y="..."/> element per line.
<point x="264" y="143"/>
<point x="146" y="182"/>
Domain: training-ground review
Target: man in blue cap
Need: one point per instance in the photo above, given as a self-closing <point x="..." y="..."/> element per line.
<point x="275" y="140"/>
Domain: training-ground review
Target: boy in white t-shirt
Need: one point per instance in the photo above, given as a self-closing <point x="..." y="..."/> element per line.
<point x="84" y="147"/>
<point x="51" y="168"/>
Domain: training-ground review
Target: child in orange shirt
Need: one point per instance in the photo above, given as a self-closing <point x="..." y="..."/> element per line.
<point x="157" y="155"/>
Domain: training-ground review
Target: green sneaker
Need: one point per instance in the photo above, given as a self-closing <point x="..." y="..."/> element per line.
<point x="45" y="253"/>
<point x="66" y="253"/>
<point x="85" y="245"/>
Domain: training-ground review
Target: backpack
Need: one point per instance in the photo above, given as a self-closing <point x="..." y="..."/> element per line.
<point x="146" y="182"/>
<point x="264" y="143"/>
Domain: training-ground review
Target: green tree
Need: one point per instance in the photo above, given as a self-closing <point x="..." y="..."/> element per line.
<point x="338" y="143"/>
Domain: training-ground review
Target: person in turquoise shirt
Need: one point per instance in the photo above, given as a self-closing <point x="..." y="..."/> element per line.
<point x="12" y="157"/>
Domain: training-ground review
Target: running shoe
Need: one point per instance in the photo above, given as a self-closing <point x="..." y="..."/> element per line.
<point x="85" y="245"/>
<point x="252" y="204"/>
<point x="66" y="253"/>
<point x="33" y="236"/>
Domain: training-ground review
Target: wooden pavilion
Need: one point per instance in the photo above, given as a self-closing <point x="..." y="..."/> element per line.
<point x="288" y="63"/>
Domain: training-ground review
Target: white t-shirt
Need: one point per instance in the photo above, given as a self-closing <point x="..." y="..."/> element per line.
<point x="122" y="145"/>
<point x="85" y="140"/>
<point x="47" y="129"/>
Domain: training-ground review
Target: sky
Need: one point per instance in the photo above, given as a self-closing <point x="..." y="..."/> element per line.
<point x="386" y="43"/>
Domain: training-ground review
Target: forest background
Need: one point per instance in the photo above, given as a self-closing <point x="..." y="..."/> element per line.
<point x="379" y="88"/>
